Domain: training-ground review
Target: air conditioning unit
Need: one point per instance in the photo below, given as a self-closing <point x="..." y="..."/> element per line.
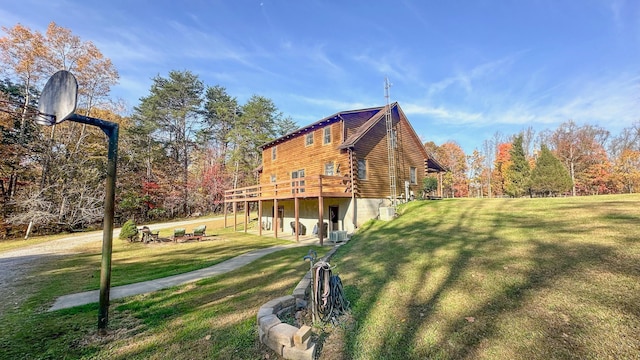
<point x="337" y="236"/>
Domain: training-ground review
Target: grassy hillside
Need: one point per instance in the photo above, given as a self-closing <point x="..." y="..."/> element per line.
<point x="451" y="279"/>
<point x="497" y="279"/>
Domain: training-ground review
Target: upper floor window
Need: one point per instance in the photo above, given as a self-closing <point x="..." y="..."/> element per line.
<point x="413" y="175"/>
<point x="328" y="169"/>
<point x="273" y="178"/>
<point x="298" y="184"/>
<point x="327" y="135"/>
<point x="308" y="140"/>
<point x="274" y="152"/>
<point x="362" y="169"/>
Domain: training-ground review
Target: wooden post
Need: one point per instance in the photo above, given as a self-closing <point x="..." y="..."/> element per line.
<point x="224" y="205"/>
<point x="235" y="216"/>
<point x="320" y="213"/>
<point x="260" y="217"/>
<point x="276" y="215"/>
<point x="246" y="216"/>
<point x="320" y="219"/>
<point x="296" y="226"/>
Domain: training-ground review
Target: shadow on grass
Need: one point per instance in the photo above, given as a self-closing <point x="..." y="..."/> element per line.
<point x="470" y="251"/>
<point x="157" y="324"/>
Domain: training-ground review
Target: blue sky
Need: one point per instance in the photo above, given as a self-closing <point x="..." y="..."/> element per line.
<point x="461" y="70"/>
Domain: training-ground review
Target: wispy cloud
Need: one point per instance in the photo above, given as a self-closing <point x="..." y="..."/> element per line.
<point x="616" y="7"/>
<point x="443" y="113"/>
<point x="612" y="102"/>
<point x="465" y="79"/>
<point x="331" y="104"/>
<point x="392" y="63"/>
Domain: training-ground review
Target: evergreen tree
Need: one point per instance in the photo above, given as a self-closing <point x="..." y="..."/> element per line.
<point x="172" y="115"/>
<point x="518" y="172"/>
<point x="549" y="177"/>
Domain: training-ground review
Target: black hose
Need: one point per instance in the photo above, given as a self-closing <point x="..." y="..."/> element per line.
<point x="328" y="293"/>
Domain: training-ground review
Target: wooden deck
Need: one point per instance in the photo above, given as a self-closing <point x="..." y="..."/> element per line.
<point x="319" y="187"/>
<point x="307" y="187"/>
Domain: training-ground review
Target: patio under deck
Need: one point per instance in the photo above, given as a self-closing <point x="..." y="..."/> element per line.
<point x="319" y="187"/>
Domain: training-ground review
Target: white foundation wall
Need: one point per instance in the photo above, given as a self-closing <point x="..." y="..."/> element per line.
<point x="369" y="209"/>
<point x="308" y="213"/>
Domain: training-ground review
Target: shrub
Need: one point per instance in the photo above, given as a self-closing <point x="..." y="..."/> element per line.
<point x="129" y="231"/>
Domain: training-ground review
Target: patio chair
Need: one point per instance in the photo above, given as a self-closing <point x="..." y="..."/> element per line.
<point x="199" y="231"/>
<point x="179" y="234"/>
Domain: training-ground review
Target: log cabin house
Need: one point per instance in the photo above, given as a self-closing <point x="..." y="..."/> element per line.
<point x="337" y="172"/>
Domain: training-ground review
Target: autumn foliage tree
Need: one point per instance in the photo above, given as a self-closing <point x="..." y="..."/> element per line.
<point x="455" y="181"/>
<point x="627" y="170"/>
<point x="477" y="174"/>
<point x="502" y="163"/>
<point x="70" y="189"/>
<point x="580" y="148"/>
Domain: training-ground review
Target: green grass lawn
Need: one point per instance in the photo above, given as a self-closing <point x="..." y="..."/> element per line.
<point x="497" y="279"/>
<point x="451" y="279"/>
<point x="173" y="323"/>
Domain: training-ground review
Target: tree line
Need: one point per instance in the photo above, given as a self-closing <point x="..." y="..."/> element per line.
<point x="183" y="145"/>
<point x="569" y="160"/>
<point x="186" y="142"/>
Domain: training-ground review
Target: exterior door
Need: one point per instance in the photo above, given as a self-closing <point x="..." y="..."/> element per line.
<point x="333" y="218"/>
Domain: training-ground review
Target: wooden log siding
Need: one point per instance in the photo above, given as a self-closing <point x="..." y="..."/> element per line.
<point x="294" y="155"/>
<point x="374" y="150"/>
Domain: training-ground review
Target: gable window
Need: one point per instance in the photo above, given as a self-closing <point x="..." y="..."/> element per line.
<point x="308" y="140"/>
<point x="328" y="168"/>
<point x="327" y="135"/>
<point x="298" y="174"/>
<point x="274" y="152"/>
<point x="413" y="175"/>
<point x="362" y="169"/>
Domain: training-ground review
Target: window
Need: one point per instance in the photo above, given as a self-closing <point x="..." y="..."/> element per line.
<point x="327" y="135"/>
<point x="413" y="175"/>
<point x="362" y="169"/>
<point x="297" y="183"/>
<point x="328" y="168"/>
<point x="308" y="139"/>
<point x="273" y="178"/>
<point x="273" y="152"/>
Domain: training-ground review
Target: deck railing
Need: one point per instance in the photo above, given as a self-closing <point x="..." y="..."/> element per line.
<point x="310" y="186"/>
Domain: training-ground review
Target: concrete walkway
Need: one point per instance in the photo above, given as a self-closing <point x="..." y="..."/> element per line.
<point x="117" y="292"/>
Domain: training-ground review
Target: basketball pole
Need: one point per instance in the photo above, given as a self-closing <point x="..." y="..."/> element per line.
<point x="111" y="130"/>
<point x="57" y="103"/>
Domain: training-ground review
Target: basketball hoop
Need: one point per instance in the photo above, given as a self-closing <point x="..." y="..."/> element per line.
<point x="58" y="99"/>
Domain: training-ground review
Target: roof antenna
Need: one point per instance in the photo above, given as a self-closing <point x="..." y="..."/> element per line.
<point x="391" y="145"/>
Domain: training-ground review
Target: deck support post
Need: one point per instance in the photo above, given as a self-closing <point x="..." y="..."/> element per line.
<point x="276" y="217"/>
<point x="320" y="213"/>
<point x="246" y="216"/>
<point x="260" y="217"/>
<point x="296" y="226"/>
<point x="235" y="216"/>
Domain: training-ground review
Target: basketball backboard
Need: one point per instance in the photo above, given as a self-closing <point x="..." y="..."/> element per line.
<point x="58" y="99"/>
